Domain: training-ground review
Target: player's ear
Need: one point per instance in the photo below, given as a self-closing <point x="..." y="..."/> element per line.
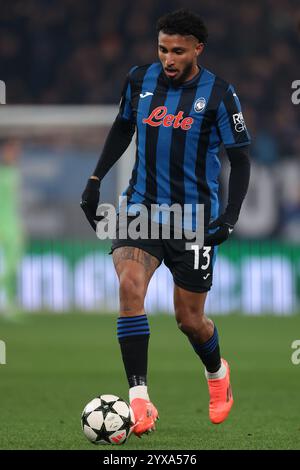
<point x="199" y="48"/>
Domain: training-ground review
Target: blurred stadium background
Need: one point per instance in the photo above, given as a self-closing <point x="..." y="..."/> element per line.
<point x="63" y="63"/>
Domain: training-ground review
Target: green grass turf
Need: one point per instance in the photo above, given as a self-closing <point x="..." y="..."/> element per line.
<point x="57" y="363"/>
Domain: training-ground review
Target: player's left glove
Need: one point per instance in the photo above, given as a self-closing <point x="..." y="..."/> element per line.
<point x="90" y="200"/>
<point x="224" y="226"/>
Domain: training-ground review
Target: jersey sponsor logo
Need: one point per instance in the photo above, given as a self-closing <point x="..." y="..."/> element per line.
<point x="239" y="123"/>
<point x="199" y="105"/>
<point x="147" y="93"/>
<point x="160" y="117"/>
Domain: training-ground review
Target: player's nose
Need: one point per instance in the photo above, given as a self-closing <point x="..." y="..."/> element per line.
<point x="169" y="61"/>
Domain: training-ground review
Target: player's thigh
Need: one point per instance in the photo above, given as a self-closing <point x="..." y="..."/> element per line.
<point x="135" y="260"/>
<point x="135" y="264"/>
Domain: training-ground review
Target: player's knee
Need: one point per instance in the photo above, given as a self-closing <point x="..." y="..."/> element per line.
<point x="187" y="327"/>
<point x="190" y="320"/>
<point x="131" y="288"/>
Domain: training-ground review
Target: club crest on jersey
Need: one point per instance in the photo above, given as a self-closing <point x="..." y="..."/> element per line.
<point x="160" y="117"/>
<point x="199" y="105"/>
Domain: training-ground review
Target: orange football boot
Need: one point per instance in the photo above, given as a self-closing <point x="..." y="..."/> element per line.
<point x="221" y="399"/>
<point x="145" y="415"/>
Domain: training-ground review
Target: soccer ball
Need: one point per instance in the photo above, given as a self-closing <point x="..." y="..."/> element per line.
<point x="107" y="419"/>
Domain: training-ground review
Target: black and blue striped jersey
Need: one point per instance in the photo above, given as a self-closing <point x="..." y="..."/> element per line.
<point x="179" y="131"/>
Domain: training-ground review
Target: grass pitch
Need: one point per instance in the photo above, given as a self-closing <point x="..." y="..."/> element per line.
<point x="57" y="363"/>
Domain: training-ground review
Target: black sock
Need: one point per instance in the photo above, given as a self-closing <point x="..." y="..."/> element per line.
<point x="209" y="352"/>
<point x="133" y="336"/>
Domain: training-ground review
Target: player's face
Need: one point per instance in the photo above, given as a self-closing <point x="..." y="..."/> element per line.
<point x="178" y="55"/>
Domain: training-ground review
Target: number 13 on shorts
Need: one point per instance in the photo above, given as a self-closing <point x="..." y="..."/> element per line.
<point x="206" y="255"/>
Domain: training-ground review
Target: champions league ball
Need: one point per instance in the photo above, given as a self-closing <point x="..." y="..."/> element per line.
<point x="107" y="419"/>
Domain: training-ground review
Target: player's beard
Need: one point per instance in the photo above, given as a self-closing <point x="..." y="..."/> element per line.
<point x="182" y="78"/>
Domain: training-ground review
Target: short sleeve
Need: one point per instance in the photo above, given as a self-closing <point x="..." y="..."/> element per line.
<point x="125" y="107"/>
<point x="230" y="121"/>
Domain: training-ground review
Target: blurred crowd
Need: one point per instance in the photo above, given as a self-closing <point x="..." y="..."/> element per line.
<point x="76" y="51"/>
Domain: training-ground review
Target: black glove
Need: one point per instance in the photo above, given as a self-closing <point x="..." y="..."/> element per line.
<point x="225" y="227"/>
<point x="90" y="200"/>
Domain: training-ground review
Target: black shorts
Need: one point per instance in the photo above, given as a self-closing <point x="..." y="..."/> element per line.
<point x="191" y="269"/>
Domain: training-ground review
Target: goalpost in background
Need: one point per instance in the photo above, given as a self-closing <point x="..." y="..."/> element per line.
<point x="37" y="121"/>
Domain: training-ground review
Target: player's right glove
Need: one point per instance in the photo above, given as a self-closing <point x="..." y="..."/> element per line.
<point x="90" y="200"/>
<point x="224" y="228"/>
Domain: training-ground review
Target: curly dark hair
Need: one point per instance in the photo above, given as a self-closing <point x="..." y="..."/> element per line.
<point x="183" y="22"/>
